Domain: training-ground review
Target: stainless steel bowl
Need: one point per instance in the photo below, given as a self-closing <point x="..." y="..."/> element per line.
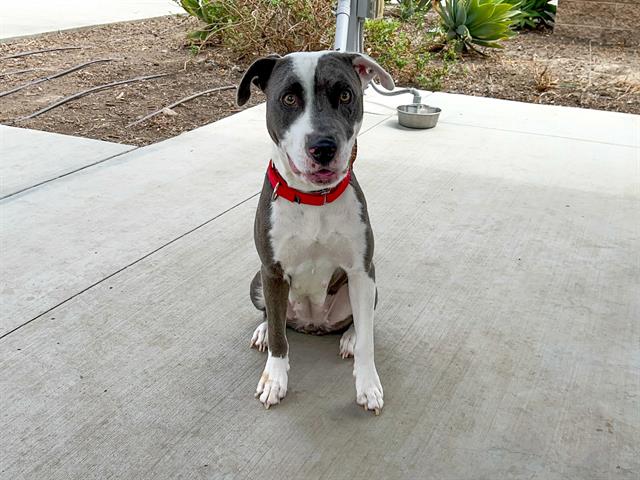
<point x="418" y="115"/>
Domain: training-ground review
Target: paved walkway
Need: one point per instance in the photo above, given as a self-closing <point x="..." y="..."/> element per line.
<point x="18" y="19"/>
<point x="506" y="334"/>
<point x="31" y="157"/>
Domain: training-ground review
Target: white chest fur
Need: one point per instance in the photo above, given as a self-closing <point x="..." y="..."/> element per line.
<point x="311" y="242"/>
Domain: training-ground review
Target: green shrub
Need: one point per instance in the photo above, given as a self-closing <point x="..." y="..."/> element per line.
<point x="534" y="13"/>
<point x="387" y="43"/>
<point x="254" y="27"/>
<point x="407" y="53"/>
<point x="409" y="8"/>
<point x="477" y="22"/>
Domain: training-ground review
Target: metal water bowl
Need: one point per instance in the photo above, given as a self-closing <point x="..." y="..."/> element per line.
<point x="418" y="115"/>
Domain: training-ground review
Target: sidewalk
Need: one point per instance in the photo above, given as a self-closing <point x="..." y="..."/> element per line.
<point x="19" y="19"/>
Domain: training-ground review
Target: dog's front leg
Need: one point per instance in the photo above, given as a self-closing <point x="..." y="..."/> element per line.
<point x="362" y="294"/>
<point x="272" y="386"/>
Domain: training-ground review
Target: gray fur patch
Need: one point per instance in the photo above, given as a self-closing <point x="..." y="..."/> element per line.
<point x="331" y="117"/>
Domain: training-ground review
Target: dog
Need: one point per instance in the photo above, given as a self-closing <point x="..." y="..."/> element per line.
<point x="312" y="229"/>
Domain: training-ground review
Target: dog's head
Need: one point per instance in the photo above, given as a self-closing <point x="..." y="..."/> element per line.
<point x="314" y="111"/>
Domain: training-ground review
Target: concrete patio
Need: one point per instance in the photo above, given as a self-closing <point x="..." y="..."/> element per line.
<point x="507" y="334"/>
<point x="40" y="16"/>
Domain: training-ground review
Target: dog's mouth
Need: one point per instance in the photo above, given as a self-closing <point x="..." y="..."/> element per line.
<point x="322" y="176"/>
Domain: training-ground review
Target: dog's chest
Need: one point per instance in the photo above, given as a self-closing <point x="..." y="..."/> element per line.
<point x="311" y="242"/>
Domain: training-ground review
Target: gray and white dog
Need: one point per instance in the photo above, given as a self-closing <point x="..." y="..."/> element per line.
<point x="312" y="229"/>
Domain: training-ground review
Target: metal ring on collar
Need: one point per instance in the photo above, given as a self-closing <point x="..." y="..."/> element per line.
<point x="275" y="192"/>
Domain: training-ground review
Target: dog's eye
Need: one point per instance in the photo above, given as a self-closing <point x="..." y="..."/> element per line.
<point x="345" y="96"/>
<point x="290" y="100"/>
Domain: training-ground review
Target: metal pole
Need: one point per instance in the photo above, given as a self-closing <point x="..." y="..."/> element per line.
<point x="349" y="25"/>
<point x="356" y="18"/>
<point x="343" y="15"/>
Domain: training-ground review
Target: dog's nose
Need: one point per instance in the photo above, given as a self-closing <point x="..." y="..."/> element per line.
<point x="323" y="151"/>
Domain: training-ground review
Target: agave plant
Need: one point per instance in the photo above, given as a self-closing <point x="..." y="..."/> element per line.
<point x="215" y="14"/>
<point x="534" y="13"/>
<point x="409" y="8"/>
<point x="479" y="22"/>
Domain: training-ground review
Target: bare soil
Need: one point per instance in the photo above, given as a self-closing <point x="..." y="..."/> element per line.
<point x="138" y="48"/>
<point x="534" y="67"/>
<point x="540" y="67"/>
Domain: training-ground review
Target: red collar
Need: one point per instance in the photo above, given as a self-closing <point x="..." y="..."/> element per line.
<point x="319" y="198"/>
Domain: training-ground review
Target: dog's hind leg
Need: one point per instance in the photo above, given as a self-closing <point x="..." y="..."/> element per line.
<point x="348" y="342"/>
<point x="260" y="337"/>
<point x="256" y="294"/>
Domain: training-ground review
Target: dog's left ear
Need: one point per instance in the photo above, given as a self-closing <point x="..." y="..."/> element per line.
<point x="367" y="68"/>
<point x="258" y="74"/>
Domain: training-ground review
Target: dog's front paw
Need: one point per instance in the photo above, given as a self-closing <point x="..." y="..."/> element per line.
<point x="272" y="386"/>
<point x="369" y="391"/>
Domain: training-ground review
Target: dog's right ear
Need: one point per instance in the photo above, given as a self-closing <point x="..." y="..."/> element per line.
<point x="258" y="74"/>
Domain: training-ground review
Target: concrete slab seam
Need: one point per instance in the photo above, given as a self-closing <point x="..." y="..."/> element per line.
<point x="147" y="255"/>
<point x="62" y="175"/>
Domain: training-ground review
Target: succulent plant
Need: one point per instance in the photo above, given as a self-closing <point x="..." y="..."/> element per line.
<point x="479" y="22"/>
<point x="534" y="13"/>
<point x="409" y="8"/>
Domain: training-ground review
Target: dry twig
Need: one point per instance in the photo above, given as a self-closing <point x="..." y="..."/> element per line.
<point x="87" y="92"/>
<point x="44" y="50"/>
<point x="55" y="75"/>
<point x="180" y="102"/>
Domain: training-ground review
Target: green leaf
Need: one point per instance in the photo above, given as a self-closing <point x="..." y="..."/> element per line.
<point x="484" y="43"/>
<point x="462" y="31"/>
<point x="483" y="15"/>
<point x="461" y="14"/>
<point x="504" y="10"/>
<point x="472" y="14"/>
<point x="486" y="21"/>
<point x="488" y="31"/>
<point x="444" y="14"/>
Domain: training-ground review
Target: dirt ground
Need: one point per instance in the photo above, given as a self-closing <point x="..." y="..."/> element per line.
<point x="534" y="67"/>
<point x="540" y="67"/>
<point x="138" y="48"/>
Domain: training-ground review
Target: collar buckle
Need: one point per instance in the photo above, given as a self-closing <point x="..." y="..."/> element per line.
<point x="275" y="192"/>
